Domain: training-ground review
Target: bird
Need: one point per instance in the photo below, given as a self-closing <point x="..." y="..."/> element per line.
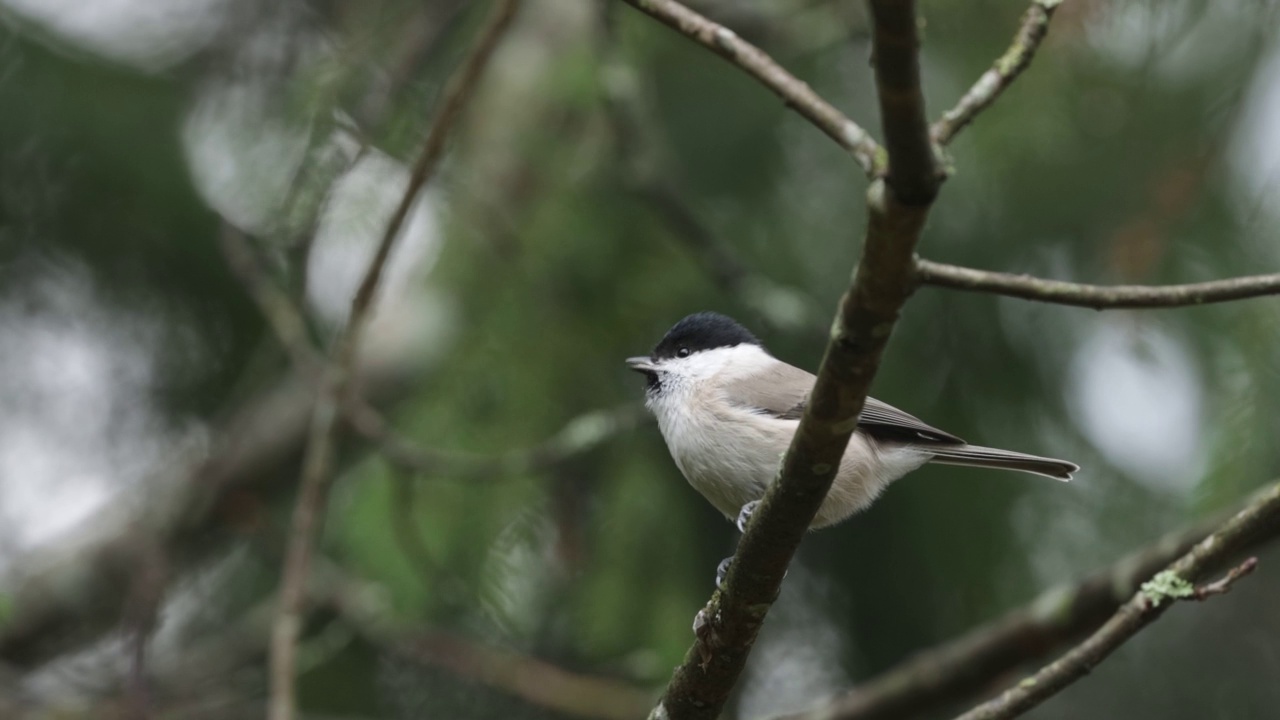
<point x="728" y="410"/>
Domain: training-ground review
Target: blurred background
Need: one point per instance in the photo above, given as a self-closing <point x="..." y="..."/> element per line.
<point x="609" y="178"/>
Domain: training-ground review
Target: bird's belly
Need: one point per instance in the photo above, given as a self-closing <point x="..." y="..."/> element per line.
<point x="728" y="469"/>
<point x="732" y="471"/>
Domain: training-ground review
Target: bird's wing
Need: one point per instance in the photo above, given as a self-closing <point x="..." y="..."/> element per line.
<point x="879" y="419"/>
<point x="783" y="392"/>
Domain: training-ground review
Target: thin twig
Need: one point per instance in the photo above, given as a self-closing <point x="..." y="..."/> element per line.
<point x="1098" y="297"/>
<point x="303" y="528"/>
<point x="337" y="387"/>
<point x="281" y="312"/>
<point x="1223" y="585"/>
<point x="1260" y="519"/>
<point x="865" y="319"/>
<point x="755" y="62"/>
<point x="1031" y="32"/>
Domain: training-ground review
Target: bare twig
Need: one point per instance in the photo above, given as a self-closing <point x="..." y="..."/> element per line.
<point x="1260" y="519"/>
<point x="794" y="92"/>
<point x="1098" y="297"/>
<point x="1031" y="32"/>
<point x="303" y="528"/>
<point x="282" y="314"/>
<point x="336" y="387"/>
<point x="865" y="318"/>
<point x="967" y="664"/>
<point x="1222" y="585"/>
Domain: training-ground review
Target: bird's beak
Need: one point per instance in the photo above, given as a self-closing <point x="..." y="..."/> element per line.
<point x="641" y="365"/>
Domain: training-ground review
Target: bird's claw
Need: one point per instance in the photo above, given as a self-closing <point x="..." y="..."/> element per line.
<point x="722" y="569"/>
<point x="744" y="515"/>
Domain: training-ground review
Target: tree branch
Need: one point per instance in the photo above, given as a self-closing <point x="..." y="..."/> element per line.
<point x="728" y="625"/>
<point x="1259" y="520"/>
<point x="1031" y="32"/>
<point x="914" y="173"/>
<point x="337" y="388"/>
<point x="965" y="665"/>
<point x="1098" y="297"/>
<point x="752" y="60"/>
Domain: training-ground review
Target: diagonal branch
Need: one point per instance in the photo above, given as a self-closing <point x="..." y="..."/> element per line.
<point x="959" y="668"/>
<point x="752" y="60"/>
<point x="1260" y="519"/>
<point x="1098" y="297"/>
<point x="1031" y="32"/>
<point x="728" y="625"/>
<point x="336" y="387"/>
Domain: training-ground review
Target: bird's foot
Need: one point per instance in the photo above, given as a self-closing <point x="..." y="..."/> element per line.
<point x="744" y="515"/>
<point x="722" y="569"/>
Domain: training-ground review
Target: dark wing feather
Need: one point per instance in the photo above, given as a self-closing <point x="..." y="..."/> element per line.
<point x="884" y="420"/>
<point x="783" y="391"/>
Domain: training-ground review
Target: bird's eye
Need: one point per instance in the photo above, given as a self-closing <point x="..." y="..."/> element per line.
<point x="682" y="352"/>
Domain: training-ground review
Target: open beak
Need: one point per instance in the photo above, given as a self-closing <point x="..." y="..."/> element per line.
<point x="641" y="365"/>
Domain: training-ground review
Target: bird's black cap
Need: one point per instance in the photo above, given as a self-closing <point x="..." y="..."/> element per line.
<point x="703" y="331"/>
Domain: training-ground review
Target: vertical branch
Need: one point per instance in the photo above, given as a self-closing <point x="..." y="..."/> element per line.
<point x="897" y="208"/>
<point x="337" y="386"/>
<point x="913" y="170"/>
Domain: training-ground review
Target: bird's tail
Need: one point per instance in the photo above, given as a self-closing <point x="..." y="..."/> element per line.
<point x="977" y="456"/>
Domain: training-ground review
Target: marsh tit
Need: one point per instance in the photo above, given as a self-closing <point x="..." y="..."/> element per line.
<point x="728" y="410"/>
